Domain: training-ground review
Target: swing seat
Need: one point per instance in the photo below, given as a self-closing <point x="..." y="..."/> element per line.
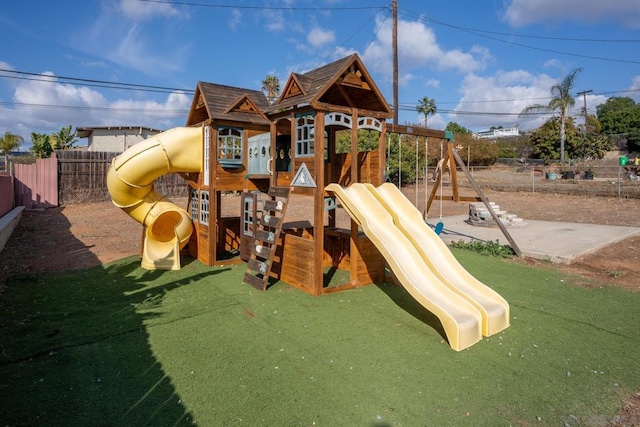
<point x="437" y="228"/>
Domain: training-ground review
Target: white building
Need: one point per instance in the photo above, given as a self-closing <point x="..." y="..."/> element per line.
<point x="497" y="133"/>
<point x="115" y="139"/>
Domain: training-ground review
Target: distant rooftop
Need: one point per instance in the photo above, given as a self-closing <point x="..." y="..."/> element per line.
<point x="497" y="133"/>
<point x="84" y="132"/>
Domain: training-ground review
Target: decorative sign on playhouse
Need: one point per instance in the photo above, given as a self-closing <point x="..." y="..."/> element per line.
<point x="303" y="178"/>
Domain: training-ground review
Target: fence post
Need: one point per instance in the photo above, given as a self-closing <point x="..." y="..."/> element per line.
<point x="533" y="179"/>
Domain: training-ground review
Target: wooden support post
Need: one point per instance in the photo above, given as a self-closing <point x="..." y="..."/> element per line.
<point x="318" y="215"/>
<point x="452" y="158"/>
<point x="453" y="171"/>
<point x="273" y="130"/>
<point x="382" y="153"/>
<point x="434" y="190"/>
<point x="476" y="187"/>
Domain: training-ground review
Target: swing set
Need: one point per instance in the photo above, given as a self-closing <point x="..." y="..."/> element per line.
<point x="451" y="160"/>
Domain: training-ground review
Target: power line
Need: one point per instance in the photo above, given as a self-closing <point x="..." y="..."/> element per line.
<point x="482" y="34"/>
<point x="115" y="85"/>
<point x="106" y="86"/>
<point x="490" y="101"/>
<point x="163" y="89"/>
<point x="227" y="6"/>
<point x="86" y="107"/>
<point x="478" y="30"/>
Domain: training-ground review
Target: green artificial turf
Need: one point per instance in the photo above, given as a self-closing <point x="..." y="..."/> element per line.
<point x="118" y="345"/>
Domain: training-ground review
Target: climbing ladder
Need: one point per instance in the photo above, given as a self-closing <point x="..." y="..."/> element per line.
<point x="267" y="232"/>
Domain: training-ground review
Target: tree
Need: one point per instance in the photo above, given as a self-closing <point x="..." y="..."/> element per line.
<point x="271" y="87"/>
<point x="427" y="107"/>
<point x="456" y="128"/>
<point x="592" y="146"/>
<point x="545" y="140"/>
<point x="593" y="124"/>
<point x="9" y="142"/>
<point x="63" y="139"/>
<point x="561" y="102"/>
<point x="41" y="145"/>
<point x="401" y="159"/>
<point x="619" y="115"/>
<point x="481" y="152"/>
<point x="633" y="141"/>
<point x="367" y="140"/>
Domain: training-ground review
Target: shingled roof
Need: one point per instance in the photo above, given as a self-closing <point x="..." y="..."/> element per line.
<point x="345" y="82"/>
<point x="229" y="103"/>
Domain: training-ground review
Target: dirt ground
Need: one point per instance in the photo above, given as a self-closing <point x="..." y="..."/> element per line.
<point x="78" y="236"/>
<point x="82" y="235"/>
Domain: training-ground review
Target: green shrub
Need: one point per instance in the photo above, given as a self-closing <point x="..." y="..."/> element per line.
<point x="491" y="248"/>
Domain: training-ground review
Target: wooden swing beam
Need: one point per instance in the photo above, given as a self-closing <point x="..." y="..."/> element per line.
<point x="451" y="158"/>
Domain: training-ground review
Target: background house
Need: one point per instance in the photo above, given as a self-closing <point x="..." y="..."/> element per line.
<point x="115" y="139"/>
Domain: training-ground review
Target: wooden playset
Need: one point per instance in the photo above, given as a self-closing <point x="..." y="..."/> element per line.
<point x="235" y="142"/>
<point x="266" y="151"/>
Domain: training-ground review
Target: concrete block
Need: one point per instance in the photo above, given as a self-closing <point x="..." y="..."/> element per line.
<point x="8" y="224"/>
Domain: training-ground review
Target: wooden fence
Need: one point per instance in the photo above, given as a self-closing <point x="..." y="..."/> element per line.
<point x="82" y="177"/>
<point x="70" y="176"/>
<point x="6" y="193"/>
<point x="35" y="185"/>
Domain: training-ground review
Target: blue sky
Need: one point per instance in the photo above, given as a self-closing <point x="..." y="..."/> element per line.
<point x="481" y="61"/>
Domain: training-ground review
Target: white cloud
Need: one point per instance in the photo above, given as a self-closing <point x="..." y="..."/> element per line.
<point x="318" y="37"/>
<point x="635" y="85"/>
<point x="519" y="13"/>
<point x="418" y="47"/>
<point x="134" y="52"/>
<point x="432" y="83"/>
<point x="124" y="34"/>
<point x="86" y="62"/>
<point x="140" y="11"/>
<point x="236" y="19"/>
<point x="592" y="102"/>
<point x="273" y="20"/>
<point x="436" y="121"/>
<point x="553" y="63"/>
<point x="133" y="48"/>
<point x="47" y="105"/>
<point x="502" y="97"/>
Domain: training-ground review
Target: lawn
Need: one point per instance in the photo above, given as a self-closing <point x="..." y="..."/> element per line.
<point x="118" y="345"/>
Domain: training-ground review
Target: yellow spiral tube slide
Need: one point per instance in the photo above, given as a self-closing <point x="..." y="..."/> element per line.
<point x="130" y="184"/>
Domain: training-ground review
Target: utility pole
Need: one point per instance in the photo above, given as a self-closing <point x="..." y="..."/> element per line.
<point x="394" y="42"/>
<point x="584" y="110"/>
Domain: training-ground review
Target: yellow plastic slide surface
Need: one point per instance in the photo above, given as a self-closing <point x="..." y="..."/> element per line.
<point x="462" y="321"/>
<point x="130" y="184"/>
<point x="436" y="254"/>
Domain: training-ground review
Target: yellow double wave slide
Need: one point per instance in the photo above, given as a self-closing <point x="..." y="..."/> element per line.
<point x="423" y="264"/>
<point x="130" y="184"/>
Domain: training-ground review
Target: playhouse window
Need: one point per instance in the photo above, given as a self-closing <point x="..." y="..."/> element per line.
<point x="230" y="146"/>
<point x="247" y="216"/>
<point x="305" y="135"/>
<point x="204" y="207"/>
<point x="194" y="205"/>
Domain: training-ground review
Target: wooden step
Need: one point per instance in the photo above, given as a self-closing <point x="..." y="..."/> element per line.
<point x="269" y="227"/>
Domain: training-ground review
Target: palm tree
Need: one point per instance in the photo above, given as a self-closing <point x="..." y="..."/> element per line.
<point x="271" y="85"/>
<point x="561" y="102"/>
<point x="9" y="142"/>
<point x="427" y="107"/>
